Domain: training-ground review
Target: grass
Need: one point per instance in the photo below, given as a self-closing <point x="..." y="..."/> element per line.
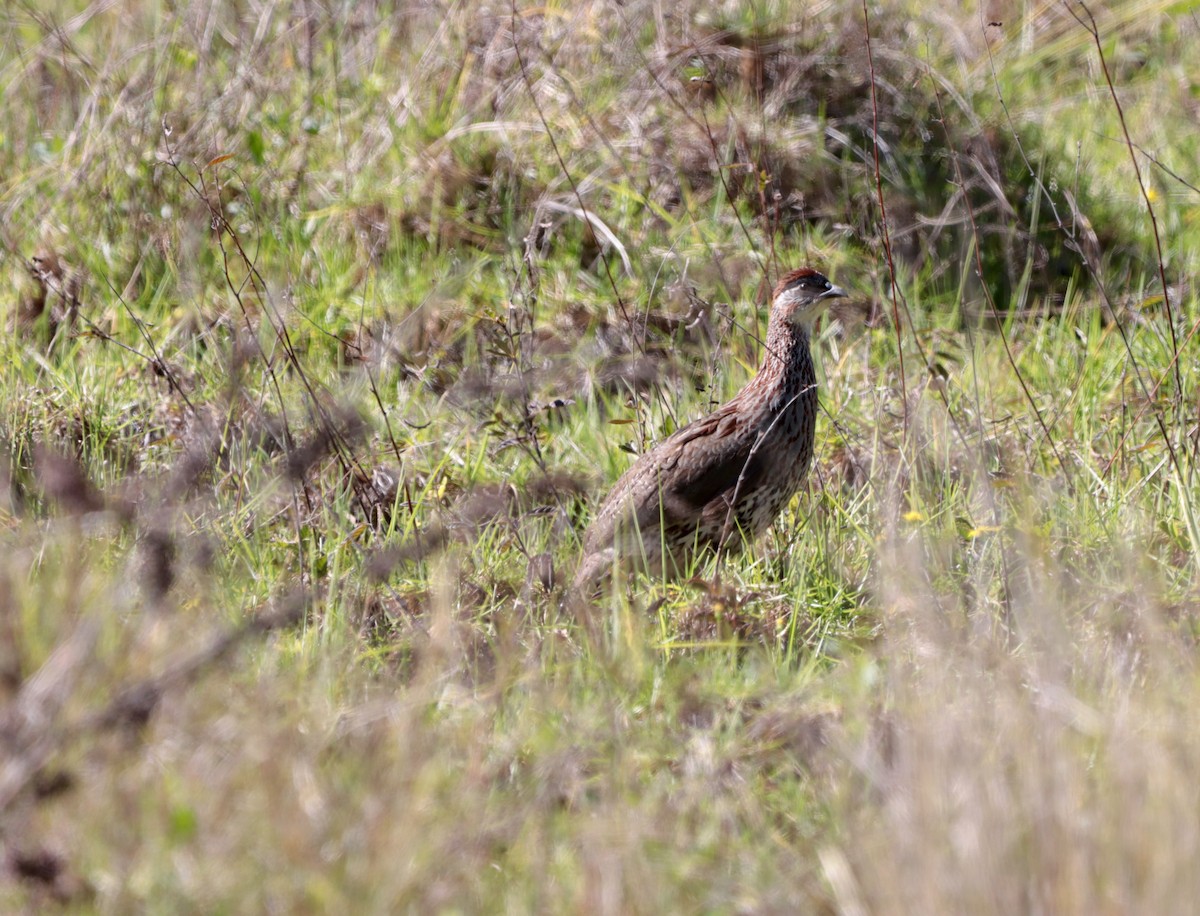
<point x="328" y="328"/>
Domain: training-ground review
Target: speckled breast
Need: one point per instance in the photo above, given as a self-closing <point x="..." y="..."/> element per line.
<point x="789" y="442"/>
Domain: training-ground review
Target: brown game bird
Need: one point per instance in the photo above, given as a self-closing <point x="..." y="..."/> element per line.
<point x="723" y="479"/>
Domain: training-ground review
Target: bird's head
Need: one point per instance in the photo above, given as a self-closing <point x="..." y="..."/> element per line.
<point x="801" y="295"/>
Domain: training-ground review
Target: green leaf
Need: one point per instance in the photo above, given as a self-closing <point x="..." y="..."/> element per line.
<point x="257" y="146"/>
<point x="184" y="824"/>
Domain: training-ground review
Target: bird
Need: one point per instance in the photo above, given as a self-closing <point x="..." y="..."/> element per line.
<point x="719" y="481"/>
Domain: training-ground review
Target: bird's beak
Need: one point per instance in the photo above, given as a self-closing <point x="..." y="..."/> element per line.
<point x="834" y="292"/>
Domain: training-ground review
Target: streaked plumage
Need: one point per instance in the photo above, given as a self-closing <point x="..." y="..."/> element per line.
<point x="725" y="477"/>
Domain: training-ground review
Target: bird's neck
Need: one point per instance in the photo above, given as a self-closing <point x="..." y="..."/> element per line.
<point x="786" y="353"/>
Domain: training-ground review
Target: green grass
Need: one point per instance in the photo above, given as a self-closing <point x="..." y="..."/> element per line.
<point x="315" y="370"/>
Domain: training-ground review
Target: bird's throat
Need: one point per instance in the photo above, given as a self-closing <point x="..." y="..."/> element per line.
<point x="787" y="360"/>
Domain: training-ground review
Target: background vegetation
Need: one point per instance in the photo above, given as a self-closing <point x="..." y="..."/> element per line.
<point x="329" y="322"/>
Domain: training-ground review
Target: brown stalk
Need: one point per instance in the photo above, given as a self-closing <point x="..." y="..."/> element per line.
<point x="887" y="238"/>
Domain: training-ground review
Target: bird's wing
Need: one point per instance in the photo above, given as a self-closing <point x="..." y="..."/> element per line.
<point x="713" y="458"/>
<point x="678" y="478"/>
